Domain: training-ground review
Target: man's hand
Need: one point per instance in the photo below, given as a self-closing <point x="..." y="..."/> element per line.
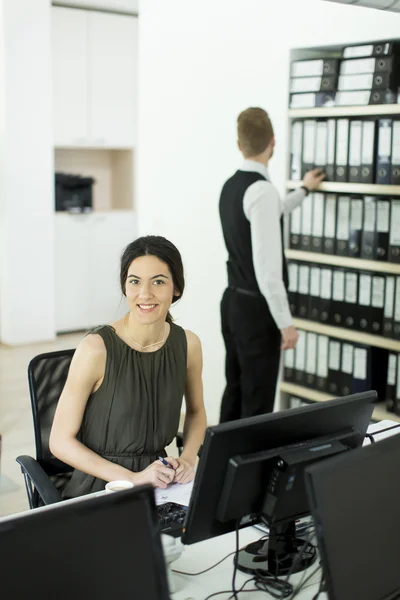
<point x="289" y="337"/>
<point x="313" y="178"/>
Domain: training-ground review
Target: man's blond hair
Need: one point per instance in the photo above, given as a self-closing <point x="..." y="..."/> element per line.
<point x="254" y="131"/>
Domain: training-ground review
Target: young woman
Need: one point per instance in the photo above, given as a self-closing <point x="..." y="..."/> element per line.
<point x="122" y="400"/>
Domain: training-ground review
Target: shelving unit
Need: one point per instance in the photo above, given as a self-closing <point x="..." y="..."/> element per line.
<point x="379" y="413"/>
<point x="344" y="261"/>
<point x="349" y="335"/>
<point x="352" y="188"/>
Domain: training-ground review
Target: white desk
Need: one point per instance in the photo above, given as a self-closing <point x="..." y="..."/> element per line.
<point x="204" y="554"/>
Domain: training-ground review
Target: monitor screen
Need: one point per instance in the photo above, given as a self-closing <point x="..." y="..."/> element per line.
<point x="247" y="437"/>
<point x="355" y="504"/>
<point x="104" y="547"/>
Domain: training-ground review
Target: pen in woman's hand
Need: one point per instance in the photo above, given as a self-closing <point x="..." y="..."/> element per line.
<point x="164" y="462"/>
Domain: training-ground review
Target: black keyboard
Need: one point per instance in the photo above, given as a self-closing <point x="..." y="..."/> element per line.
<point x="172" y="518"/>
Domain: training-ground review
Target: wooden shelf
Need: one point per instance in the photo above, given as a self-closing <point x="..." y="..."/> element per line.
<point x="379" y="414"/>
<point x="344" y="111"/>
<point x="344" y="261"/>
<point x="351" y="188"/>
<point x="367" y="339"/>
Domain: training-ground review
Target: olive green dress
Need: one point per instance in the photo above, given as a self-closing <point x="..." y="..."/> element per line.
<point x="136" y="410"/>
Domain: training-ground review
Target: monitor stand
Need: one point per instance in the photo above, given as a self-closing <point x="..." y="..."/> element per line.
<point x="279" y="554"/>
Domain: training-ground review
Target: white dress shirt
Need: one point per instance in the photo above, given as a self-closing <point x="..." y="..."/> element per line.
<point x="263" y="207"/>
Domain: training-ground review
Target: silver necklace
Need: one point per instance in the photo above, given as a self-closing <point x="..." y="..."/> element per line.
<point x="137" y="343"/>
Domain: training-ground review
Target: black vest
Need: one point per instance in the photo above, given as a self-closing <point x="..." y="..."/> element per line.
<point x="237" y="234"/>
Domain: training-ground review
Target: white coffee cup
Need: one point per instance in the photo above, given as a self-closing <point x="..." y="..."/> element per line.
<point x="118" y="486"/>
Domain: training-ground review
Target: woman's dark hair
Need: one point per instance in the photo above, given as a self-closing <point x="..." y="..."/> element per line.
<point x="155" y="245"/>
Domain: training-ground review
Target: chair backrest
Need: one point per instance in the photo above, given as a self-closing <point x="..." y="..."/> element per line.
<point x="47" y="374"/>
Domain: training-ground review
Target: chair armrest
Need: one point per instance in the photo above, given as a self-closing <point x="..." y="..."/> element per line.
<point x="41" y="482"/>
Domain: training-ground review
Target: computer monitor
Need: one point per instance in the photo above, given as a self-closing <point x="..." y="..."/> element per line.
<point x="105" y="547"/>
<point x="355" y="504"/>
<point x="254" y="468"/>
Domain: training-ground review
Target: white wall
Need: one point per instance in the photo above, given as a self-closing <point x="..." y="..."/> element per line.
<point x="26" y="173"/>
<point x="200" y="65"/>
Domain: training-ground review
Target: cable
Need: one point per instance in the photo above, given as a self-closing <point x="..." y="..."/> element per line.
<point x="321" y="588"/>
<point x="302" y="584"/>
<point x="299" y="555"/>
<point x="235" y="561"/>
<point x="205" y="570"/>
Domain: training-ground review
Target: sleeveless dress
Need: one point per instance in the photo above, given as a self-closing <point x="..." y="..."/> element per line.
<point x="136" y="410"/>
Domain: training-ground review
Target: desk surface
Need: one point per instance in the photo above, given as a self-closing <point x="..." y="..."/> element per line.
<point x="204" y="554"/>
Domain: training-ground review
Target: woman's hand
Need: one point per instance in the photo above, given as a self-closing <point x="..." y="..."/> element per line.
<point x="158" y="474"/>
<point x="185" y="471"/>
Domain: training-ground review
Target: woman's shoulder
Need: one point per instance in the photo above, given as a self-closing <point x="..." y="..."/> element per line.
<point x="192" y="338"/>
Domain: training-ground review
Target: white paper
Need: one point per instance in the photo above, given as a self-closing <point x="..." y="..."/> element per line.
<point x="300" y="358"/>
<point x="322" y="361"/>
<point x="369" y="213"/>
<point x="385" y="139"/>
<point x="334" y="355"/>
<point x="330" y="216"/>
<point x="295" y="221"/>
<point x="350" y="67"/>
<point x="338" y="286"/>
<point x="367" y="149"/>
<point x="305" y="84"/>
<point x="395" y="223"/>
<point x="382" y="216"/>
<point x="310" y="129"/>
<point x="343" y="221"/>
<point x="356" y="215"/>
<point x="175" y="492"/>
<point x="391" y="378"/>
<point x="351" y="288"/>
<point x="304" y="277"/>
<point x="293" y="277"/>
<point x="389" y="297"/>
<point x="365" y="290"/>
<point x="306" y="215"/>
<point x="321" y="146"/>
<point x="315" y="281"/>
<point x="302" y="101"/>
<point x="318" y="215"/>
<point x="331" y="142"/>
<point x="326" y="284"/>
<point x="311" y="353"/>
<point x="355" y="82"/>
<point x="360" y="363"/>
<point x="307" y="68"/>
<point x="297" y="144"/>
<point x="378" y="292"/>
<point x="360" y="98"/>
<point x="289" y="358"/>
<point x="342" y="133"/>
<point x="347" y="358"/>
<point x="397" y="303"/>
<point x="396" y="143"/>
<point x="355" y="51"/>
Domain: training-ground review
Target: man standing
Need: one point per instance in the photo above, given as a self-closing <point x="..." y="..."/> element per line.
<point x="255" y="315"/>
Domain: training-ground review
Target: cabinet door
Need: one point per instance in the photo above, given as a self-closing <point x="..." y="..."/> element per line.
<point x="70" y="76"/>
<point x="109" y="234"/>
<point x="112" y="51"/>
<point x="72" y="271"/>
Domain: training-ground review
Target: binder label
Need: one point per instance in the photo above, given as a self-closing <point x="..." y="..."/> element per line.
<point x="378" y="292"/>
<point x="385" y="140"/>
<point x="389" y="298"/>
<point x="318" y="215"/>
<point x="338" y="286"/>
<point x="334" y="355"/>
<point x="351" y="288"/>
<point x="295" y="221"/>
<point x="342" y="142"/>
<point x="369" y="213"/>
<point x="289" y="358"/>
<point x="356" y="51"/>
<point x="391" y="378"/>
<point x="304" y="279"/>
<point x="330" y="216"/>
<point x="382" y="216"/>
<point x="395" y="224"/>
<point x="305" y="84"/>
<point x="397" y="303"/>
<point x="396" y="143"/>
<point x="365" y="290"/>
<point x="360" y="363"/>
<point x="326" y="284"/>
<point x="330" y="159"/>
<point x="347" y="358"/>
<point x="315" y="281"/>
<point x="297" y="143"/>
<point x="367" y="149"/>
<point x="293" y="277"/>
<point x="321" y="143"/>
<point x="356" y="214"/>
<point x="360" y="98"/>
<point x="307" y="68"/>
<point x="343" y="231"/>
<point x="352" y="67"/>
<point x="322" y="363"/>
<point x="355" y="144"/>
<point x="311" y="353"/>
<point x="398" y="377"/>
<point x="300" y="356"/>
<point x="306" y="215"/>
<point x="309" y="141"/>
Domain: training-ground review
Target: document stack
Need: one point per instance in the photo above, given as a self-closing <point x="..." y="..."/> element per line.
<point x="344" y="239"/>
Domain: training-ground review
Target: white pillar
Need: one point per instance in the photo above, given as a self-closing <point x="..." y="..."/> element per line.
<point x="26" y="173"/>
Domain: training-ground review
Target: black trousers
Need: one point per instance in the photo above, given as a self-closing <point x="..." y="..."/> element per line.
<point x="252" y="343"/>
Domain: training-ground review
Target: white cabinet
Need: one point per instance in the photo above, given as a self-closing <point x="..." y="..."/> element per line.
<point x="88" y="252"/>
<point x="113" y="79"/>
<point x="95" y="66"/>
<point x="70" y="76"/>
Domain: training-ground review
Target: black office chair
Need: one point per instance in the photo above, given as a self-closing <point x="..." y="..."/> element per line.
<point x="46" y="477"/>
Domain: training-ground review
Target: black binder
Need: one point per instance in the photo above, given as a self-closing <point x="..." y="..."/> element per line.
<point x="379" y="49"/>
<point x="355" y="66"/>
<point x="382" y="80"/>
<point x="329" y="241"/>
<point x="364" y="312"/>
<point x="330" y="153"/>
<point x="322" y="363"/>
<point x="296" y="150"/>
<point x="334" y="367"/>
<point x="355" y="138"/>
<point x="311" y="359"/>
<point x="306" y="222"/>
<point x="395" y="172"/>
<point x="321" y="145"/>
<point x="382" y="228"/>
<point x="312" y="99"/>
<point x="368" y="238"/>
<point x="293" y="270"/>
<point x="361" y="370"/>
<point x="342" y="150"/>
<point x="383" y="163"/>
<point x="295" y="228"/>
<point x="343" y="226"/>
<point x="314" y="67"/>
<point x="346" y="379"/>
<point x="368" y="152"/>
<point x="317" y="229"/>
<point x="315" y="294"/>
<point x="356" y="225"/>
<point x="396" y="316"/>
<point x="377" y="304"/>
<point x="303" y="291"/>
<point x="388" y="311"/>
<point x="365" y="97"/>
<point x="337" y="312"/>
<point x="391" y="382"/>
<point x="394" y="234"/>
<point x="325" y="295"/>
<point x="300" y="359"/>
<point x="288" y="361"/>
<point x="326" y="83"/>
<point x="350" y="297"/>
<point x="308" y="153"/>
